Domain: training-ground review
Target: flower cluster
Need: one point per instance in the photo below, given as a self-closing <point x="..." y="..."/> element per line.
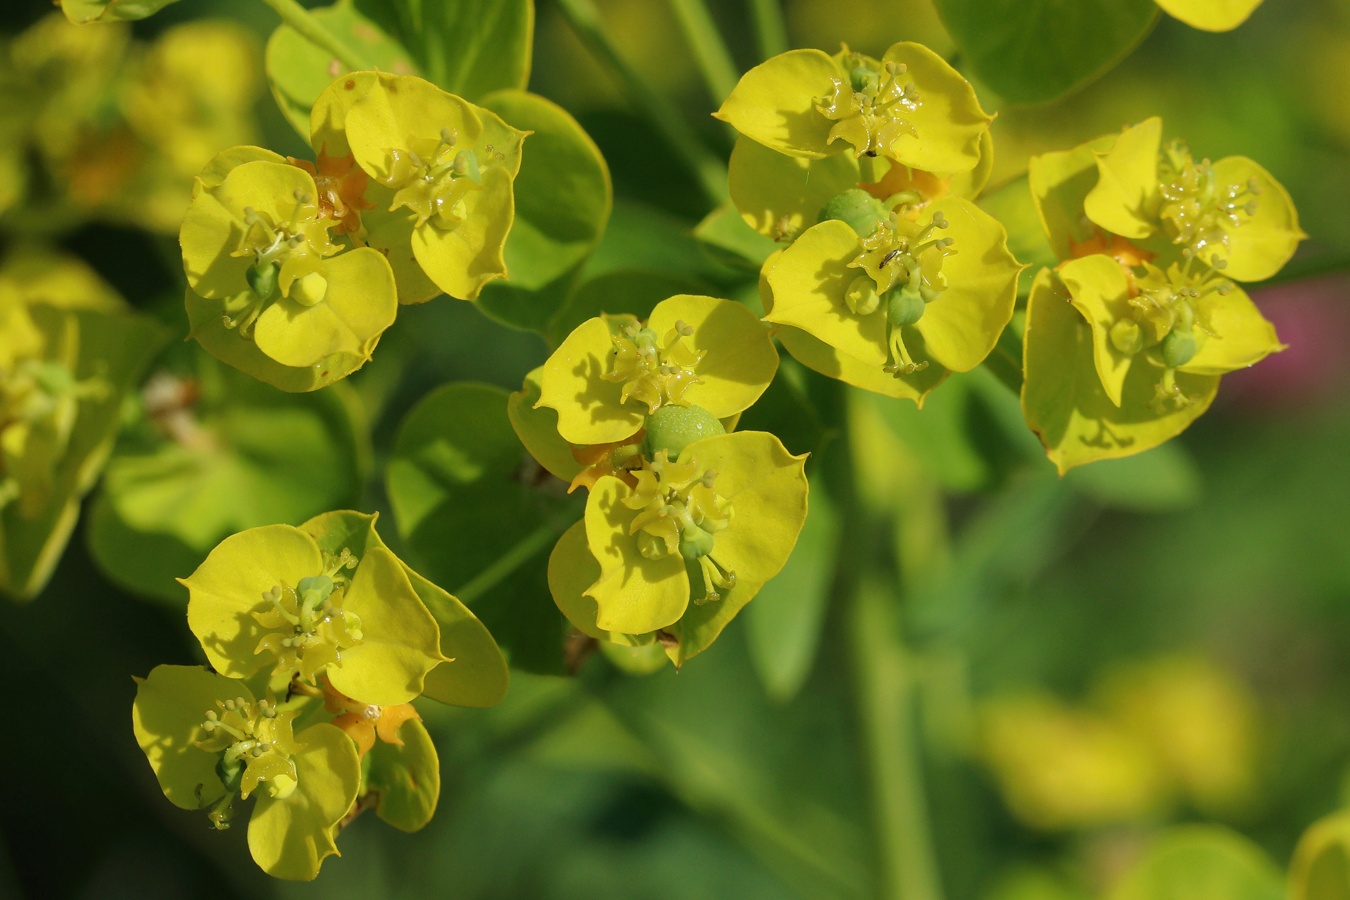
<point x="892" y="277"/>
<point x="684" y="521"/>
<point x="71" y="353"/>
<point x="318" y="639"/>
<point x="296" y="268"/>
<point x="1153" y="244"/>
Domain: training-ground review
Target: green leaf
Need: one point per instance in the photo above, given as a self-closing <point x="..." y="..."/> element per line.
<point x="1163" y="479"/>
<point x="460" y="504"/>
<point x="1032" y="51"/>
<point x="1201" y="862"/>
<point x="724" y="232"/>
<point x="82" y="12"/>
<point x="165" y="501"/>
<point x="632" y="291"/>
<point x="563" y="199"/>
<point x="1014" y="207"/>
<point x="468" y="47"/>
<point x="1321" y="866"/>
<point x="298" y="71"/>
<point x="784" y="623"/>
<point x="406" y="779"/>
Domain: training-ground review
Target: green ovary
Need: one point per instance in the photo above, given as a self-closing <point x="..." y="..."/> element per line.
<point x="652" y="370"/>
<point x="902" y="273"/>
<point x="307" y="627"/>
<point x="680" y="512"/>
<point x="1197" y="210"/>
<point x="433" y="178"/>
<point x="870" y="109"/>
<point x="255" y="746"/>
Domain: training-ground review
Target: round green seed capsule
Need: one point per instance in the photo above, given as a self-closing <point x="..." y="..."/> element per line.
<point x="262" y="278"/>
<point x="1179" y="347"/>
<point x="672" y="428"/>
<point x="904" y="306"/>
<point x="857" y="209"/>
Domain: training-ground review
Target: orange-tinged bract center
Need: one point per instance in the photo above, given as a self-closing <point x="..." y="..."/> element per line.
<point x="680" y="512"/>
<point x="341" y="185"/>
<point x="654" y="370"/>
<point x="364" y="722"/>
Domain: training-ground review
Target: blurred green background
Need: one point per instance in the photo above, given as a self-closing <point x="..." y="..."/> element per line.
<point x="1097" y="657"/>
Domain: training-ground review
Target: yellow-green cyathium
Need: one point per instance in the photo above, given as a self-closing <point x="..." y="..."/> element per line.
<point x="270" y="600"/>
<point x="671" y="554"/>
<point x="611" y="374"/>
<point x="894" y="299"/>
<point x="211" y="740"/>
<point x="909" y="106"/>
<point x="1152" y="244"/>
<point x="71" y="352"/>
<point x="269" y="290"/>
<point x="444" y="172"/>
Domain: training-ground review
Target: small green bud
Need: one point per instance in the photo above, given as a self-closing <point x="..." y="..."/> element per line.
<point x="857" y="209"/>
<point x="262" y="278"/>
<point x="904" y="306"/>
<point x="1179" y="347"/>
<point x="672" y="428"/>
<point x="862" y="297"/>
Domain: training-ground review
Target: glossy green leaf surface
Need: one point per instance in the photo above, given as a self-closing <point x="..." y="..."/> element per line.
<point x="1032" y="51"/>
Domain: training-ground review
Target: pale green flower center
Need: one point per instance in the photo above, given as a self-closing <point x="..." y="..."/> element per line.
<point x="680" y="512"/>
<point x="307" y="628"/>
<point x="653" y="370"/>
<point x="255" y="747"/>
<point x="300" y="241"/>
<point x="872" y="108"/>
<point x="433" y="178"/>
<point x="1166" y="315"/>
<point x="1197" y="210"/>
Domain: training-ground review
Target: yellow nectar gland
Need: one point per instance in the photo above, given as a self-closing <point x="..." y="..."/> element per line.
<point x="1197" y="210"/>
<point x="433" y="177"/>
<point x="902" y="273"/>
<point x="255" y="743"/>
<point x="651" y="371"/>
<point x="307" y="627"/>
<point x="679" y="512"/>
<point x="301" y="240"/>
<point x="870" y="110"/>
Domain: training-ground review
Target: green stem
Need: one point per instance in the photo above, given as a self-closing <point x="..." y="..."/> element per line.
<point x="770" y="31"/>
<point x="708" y="170"/>
<point x="299" y="18"/>
<point x="710" y="51"/>
<point x="527" y="549"/>
<point x="885" y="695"/>
<point x="883" y="684"/>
